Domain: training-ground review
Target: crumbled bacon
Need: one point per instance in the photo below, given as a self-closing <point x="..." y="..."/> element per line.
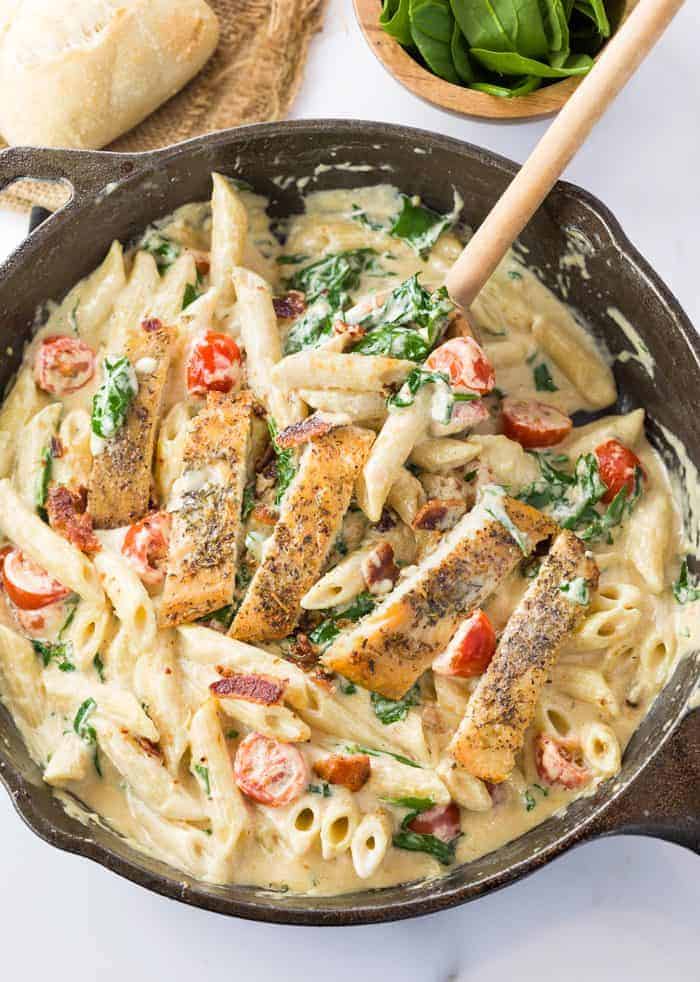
<point x="290" y="305"/>
<point x="264" y="515"/>
<point x="379" y="570"/>
<point x="151" y="324"/>
<point x="349" y="332"/>
<point x="304" y="653"/>
<point x="68" y="517"/>
<point x="56" y="448"/>
<point x="438" y="515"/>
<point x="352" y="772"/>
<point x="306" y="429"/>
<point x="262" y="689"/>
<point x="560" y="762"/>
<point x="386" y="521"/>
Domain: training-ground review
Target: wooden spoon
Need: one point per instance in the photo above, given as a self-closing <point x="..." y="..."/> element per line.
<point x="620" y="59"/>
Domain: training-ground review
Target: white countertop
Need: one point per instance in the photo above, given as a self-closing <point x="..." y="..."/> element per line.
<point x="625" y="908"/>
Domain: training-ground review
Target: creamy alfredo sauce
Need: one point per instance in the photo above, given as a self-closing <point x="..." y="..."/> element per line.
<point x="632" y="638"/>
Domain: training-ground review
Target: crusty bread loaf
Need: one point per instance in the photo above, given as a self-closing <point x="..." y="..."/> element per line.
<point x="78" y="73"/>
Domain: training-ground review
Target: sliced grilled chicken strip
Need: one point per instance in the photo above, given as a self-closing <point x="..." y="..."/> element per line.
<point x="205" y="507"/>
<point x="398" y="641"/>
<point x="310" y="519"/>
<point x="503" y="704"/>
<point x="120" y="479"/>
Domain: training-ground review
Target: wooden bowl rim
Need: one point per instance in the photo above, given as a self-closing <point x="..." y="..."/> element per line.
<point x="456" y="98"/>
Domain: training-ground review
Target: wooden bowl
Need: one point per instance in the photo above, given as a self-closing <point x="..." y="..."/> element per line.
<point x="457" y="98"/>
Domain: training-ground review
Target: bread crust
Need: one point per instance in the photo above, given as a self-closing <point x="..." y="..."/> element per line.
<point x="80" y="75"/>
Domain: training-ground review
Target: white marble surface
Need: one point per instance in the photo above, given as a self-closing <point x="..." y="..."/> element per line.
<point x="613" y="910"/>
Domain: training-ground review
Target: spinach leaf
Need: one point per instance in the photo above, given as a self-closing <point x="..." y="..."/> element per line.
<point x="60" y="652"/>
<point x="202" y="773"/>
<point x="492" y="498"/>
<point x="44" y="477"/>
<point x="347" y="687"/>
<point x="333" y="277"/>
<point x="286" y="465"/>
<point x="111" y="402"/>
<point x="85" y="731"/>
<point x="291" y="259"/>
<point x="248" y="502"/>
<point x="419" y="377"/>
<point x="415" y="805"/>
<point x="356" y="748"/>
<point x="431" y="24"/>
<point x="309" y="330"/>
<point x="519" y="87"/>
<point x="511" y="63"/>
<point x="444" y="852"/>
<point x="394" y="18"/>
<point x="684" y="589"/>
<point x="163" y="250"/>
<point x="99" y="667"/>
<point x="393" y="710"/>
<point x="223" y="616"/>
<point x="595" y="11"/>
<point x="459" y="49"/>
<point x="503" y="25"/>
<point x="190" y="295"/>
<point x="543" y="378"/>
<point x="324" y="789"/>
<point x="420" y="226"/>
<point x="408" y="324"/>
<point x="328" y="630"/>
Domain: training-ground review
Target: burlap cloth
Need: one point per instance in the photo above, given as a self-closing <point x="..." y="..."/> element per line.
<point x="253" y="76"/>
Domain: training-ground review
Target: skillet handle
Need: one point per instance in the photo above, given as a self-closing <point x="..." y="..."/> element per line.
<point x="86" y="172"/>
<point x="664" y="800"/>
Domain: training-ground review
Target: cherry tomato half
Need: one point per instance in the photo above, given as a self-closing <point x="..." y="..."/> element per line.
<point x="270" y="772"/>
<point x="533" y="424"/>
<point x="442" y="821"/>
<point x="557" y="764"/>
<point x="146" y="546"/>
<point x="465" y="363"/>
<point x="618" y="467"/>
<point x="214" y="364"/>
<point x="63" y="365"/>
<point x="470" y="650"/>
<point x="29" y="586"/>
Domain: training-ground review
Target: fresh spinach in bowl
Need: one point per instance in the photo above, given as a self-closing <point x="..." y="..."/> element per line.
<point x="501" y="47"/>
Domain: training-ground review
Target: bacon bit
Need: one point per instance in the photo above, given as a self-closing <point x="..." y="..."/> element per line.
<point x="253" y="688"/>
<point x="68" y="517"/>
<point x="290" y="305"/>
<point x="325" y="679"/>
<point x="459" y="326"/>
<point x="379" y="570"/>
<point x="439" y="515"/>
<point x="152" y="749"/>
<point x="56" y="448"/>
<point x="151" y="324"/>
<point x="304" y="652"/>
<point x="351" y="772"/>
<point x="350" y="332"/>
<point x="201" y="261"/>
<point x="442" y="821"/>
<point x="265" y="515"/>
<point x="386" y="521"/>
<point x="498" y="792"/>
<point x="316" y="425"/>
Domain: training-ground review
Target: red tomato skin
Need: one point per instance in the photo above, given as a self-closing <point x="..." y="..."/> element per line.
<point x="146" y="546"/>
<point x="270" y="772"/>
<point x="213" y="365"/>
<point x="533" y="424"/>
<point x="464" y="361"/>
<point x="442" y="821"/>
<point x="471" y="649"/>
<point x="63" y="364"/>
<point x="617" y="466"/>
<point x="38" y="589"/>
<point x="556" y="765"/>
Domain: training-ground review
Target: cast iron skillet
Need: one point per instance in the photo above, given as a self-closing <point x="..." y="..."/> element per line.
<point x="117" y="195"/>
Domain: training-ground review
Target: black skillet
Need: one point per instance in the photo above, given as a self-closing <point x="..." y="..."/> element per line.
<point x="114" y="196"/>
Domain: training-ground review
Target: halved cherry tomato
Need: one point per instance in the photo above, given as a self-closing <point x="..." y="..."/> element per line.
<point x="557" y="764"/>
<point x="532" y="424"/>
<point x="470" y="650"/>
<point x="63" y="364"/>
<point x="214" y="364"/>
<point x="146" y="546"/>
<point x="42" y="623"/>
<point x="442" y="821"/>
<point x="469" y="414"/>
<point x="466" y="364"/>
<point x="29" y="586"/>
<point x="617" y="466"/>
<point x="268" y="771"/>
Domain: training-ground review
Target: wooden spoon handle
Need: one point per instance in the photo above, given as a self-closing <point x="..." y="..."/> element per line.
<point x="619" y="60"/>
